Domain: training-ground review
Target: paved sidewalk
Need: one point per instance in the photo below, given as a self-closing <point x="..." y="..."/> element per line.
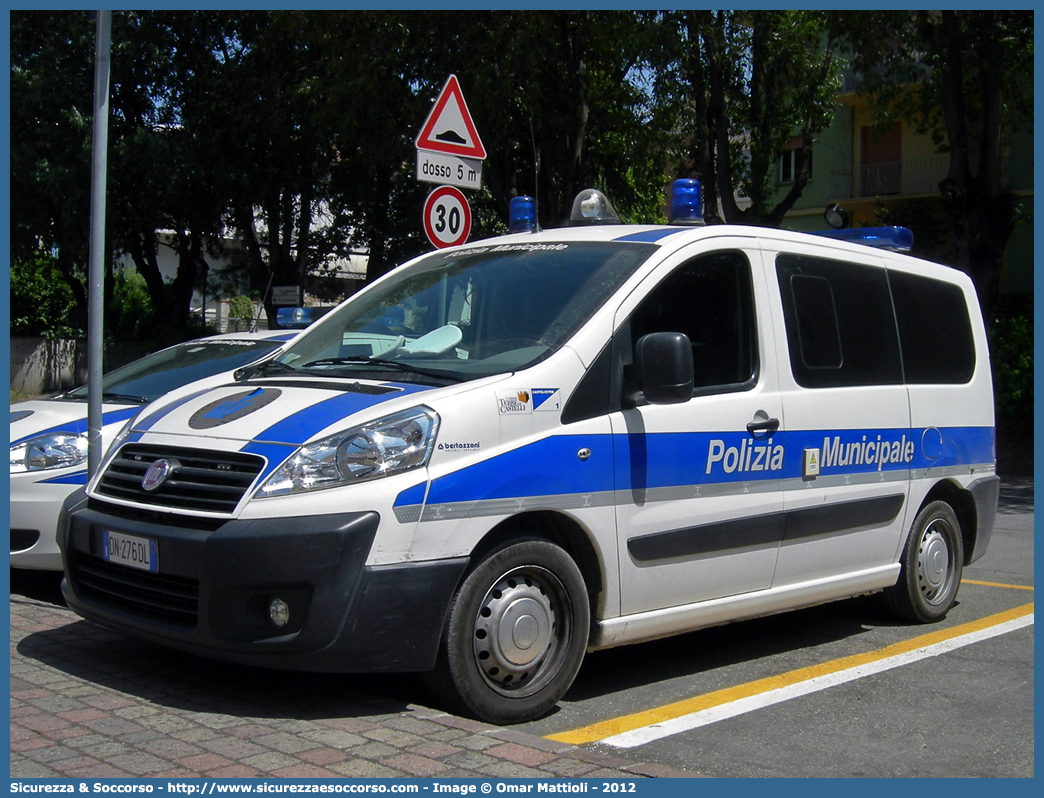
<point x="88" y="703"/>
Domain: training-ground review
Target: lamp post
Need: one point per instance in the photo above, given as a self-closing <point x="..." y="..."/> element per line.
<point x="96" y="269"/>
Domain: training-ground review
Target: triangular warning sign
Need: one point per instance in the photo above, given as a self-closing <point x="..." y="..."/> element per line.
<point x="449" y="128"/>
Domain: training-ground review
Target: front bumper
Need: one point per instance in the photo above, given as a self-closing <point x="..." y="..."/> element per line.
<point x="36" y="501"/>
<point x="212" y="590"/>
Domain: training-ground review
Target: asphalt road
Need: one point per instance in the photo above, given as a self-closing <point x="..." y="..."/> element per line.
<point x="963" y="712"/>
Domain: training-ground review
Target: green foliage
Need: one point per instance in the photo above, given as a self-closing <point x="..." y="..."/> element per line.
<point x="1011" y="353"/>
<point x="960" y="60"/>
<point x="130" y="314"/>
<point x="41" y="301"/>
<point x="962" y="77"/>
<point x="738" y="85"/>
<point x="240" y="307"/>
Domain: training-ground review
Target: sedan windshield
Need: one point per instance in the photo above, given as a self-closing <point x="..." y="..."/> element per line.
<point x="469" y="314"/>
<point x="154" y="375"/>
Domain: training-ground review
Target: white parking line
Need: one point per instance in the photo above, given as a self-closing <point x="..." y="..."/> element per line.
<point x="706" y="717"/>
<point x="644" y="727"/>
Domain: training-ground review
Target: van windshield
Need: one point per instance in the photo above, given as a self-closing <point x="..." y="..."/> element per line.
<point x="468" y="314"/>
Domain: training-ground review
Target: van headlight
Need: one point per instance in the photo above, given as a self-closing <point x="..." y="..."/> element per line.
<point x="52" y="450"/>
<point x="381" y="448"/>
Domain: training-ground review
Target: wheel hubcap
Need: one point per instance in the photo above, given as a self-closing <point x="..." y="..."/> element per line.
<point x="515" y="631"/>
<point x="934" y="569"/>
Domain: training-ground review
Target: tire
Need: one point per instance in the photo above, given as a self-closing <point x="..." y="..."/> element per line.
<point x="515" y="634"/>
<point x="932" y="564"/>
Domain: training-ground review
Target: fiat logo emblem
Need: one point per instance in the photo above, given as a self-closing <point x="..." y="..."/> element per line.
<point x="158" y="473"/>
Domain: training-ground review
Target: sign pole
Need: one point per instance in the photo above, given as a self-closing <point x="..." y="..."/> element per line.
<point x="450" y="153"/>
<point x="96" y="268"/>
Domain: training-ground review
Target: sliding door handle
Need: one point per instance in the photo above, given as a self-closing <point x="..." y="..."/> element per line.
<point x="763" y="425"/>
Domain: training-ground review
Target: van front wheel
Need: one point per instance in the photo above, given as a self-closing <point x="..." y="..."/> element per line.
<point x="932" y="564"/>
<point x="515" y="635"/>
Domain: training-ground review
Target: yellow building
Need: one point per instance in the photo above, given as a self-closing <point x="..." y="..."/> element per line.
<point x="890" y="174"/>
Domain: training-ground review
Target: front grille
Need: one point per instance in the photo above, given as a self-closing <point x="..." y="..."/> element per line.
<point x="160" y="597"/>
<point x="201" y="480"/>
<point x="161" y="517"/>
<point x="22" y="539"/>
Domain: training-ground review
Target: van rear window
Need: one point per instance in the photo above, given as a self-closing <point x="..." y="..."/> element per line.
<point x="934" y="330"/>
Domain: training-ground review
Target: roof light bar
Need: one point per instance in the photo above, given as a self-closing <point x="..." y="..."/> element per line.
<point x="293" y="318"/>
<point x="899" y="239"/>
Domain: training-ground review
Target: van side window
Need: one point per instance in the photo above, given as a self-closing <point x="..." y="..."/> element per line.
<point x="840" y="324"/>
<point x="818" y="330"/>
<point x="710" y="300"/>
<point x="934" y="330"/>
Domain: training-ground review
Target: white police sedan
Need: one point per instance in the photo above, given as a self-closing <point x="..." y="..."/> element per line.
<point x="49" y="436"/>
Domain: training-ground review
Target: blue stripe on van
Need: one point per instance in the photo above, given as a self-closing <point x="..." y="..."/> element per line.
<point x="546" y="467"/>
<point x="77" y="478"/>
<point x="153" y="418"/>
<point x="651" y="236"/>
<point x="411" y="496"/>
<point x="281" y="440"/>
<point x="550" y="466"/>
<point x="300" y="426"/>
<point x="79" y="425"/>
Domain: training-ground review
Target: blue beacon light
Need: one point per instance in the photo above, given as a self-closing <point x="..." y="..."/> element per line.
<point x="522" y="215"/>
<point x="685" y="202"/>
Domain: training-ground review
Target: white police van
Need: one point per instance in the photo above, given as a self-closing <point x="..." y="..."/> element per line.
<point x="505" y="454"/>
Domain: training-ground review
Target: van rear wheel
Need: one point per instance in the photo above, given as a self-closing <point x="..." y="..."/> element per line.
<point x="932" y="564"/>
<point x="515" y="634"/>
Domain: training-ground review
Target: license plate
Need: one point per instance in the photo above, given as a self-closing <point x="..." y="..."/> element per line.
<point x="129" y="550"/>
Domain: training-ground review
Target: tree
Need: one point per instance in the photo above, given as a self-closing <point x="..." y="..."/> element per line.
<point x="51" y="92"/>
<point x="265" y="109"/>
<point x="297" y="129"/>
<point x="372" y="65"/>
<point x="575" y="115"/>
<point x="161" y="177"/>
<point x="41" y="300"/>
<point x="964" y="77"/>
<point x="562" y="99"/>
<point x="739" y="85"/>
<point x="167" y="188"/>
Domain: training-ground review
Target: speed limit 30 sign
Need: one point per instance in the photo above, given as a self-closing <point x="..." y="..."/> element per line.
<point x="447" y="217"/>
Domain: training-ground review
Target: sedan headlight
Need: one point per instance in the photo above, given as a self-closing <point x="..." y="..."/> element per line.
<point x="381" y="448"/>
<point x="51" y="450"/>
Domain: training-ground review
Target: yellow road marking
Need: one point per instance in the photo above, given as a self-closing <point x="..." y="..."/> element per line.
<point x="995" y="584"/>
<point x="614" y="726"/>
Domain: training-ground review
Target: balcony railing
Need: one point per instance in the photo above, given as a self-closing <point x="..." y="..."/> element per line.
<point x="881" y="179"/>
<point x="910" y="177"/>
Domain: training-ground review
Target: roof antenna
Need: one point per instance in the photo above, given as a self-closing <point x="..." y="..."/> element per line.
<point x="536" y="175"/>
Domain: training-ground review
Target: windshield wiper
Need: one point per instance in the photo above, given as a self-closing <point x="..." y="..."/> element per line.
<point x="262" y="369"/>
<point x="125" y="397"/>
<point x="270" y="366"/>
<point x="396" y="365"/>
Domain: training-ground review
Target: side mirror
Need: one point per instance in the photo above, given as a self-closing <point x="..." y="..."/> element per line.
<point x="663" y="366"/>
